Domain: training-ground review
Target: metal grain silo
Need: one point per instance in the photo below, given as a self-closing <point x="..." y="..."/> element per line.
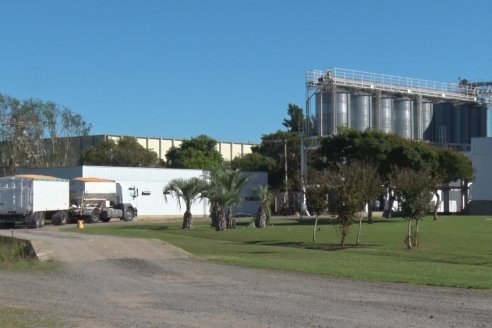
<point x="322" y="113"/>
<point x="427" y="112"/>
<point x="442" y="123"/>
<point x="360" y="112"/>
<point x="342" y="103"/>
<point x="488" y="120"/>
<point x="477" y="123"/>
<point x="403" y="118"/>
<point x="461" y="124"/>
<point x="385" y="112"/>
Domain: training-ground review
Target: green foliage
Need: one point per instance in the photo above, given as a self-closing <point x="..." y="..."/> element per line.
<point x="273" y="146"/>
<point x="264" y="213"/>
<point x="389" y="151"/>
<point x="414" y="191"/>
<point x="126" y="152"/>
<point x="13" y="317"/>
<point x="224" y="193"/>
<point x="196" y="153"/>
<point x="454" y="253"/>
<point x="296" y="118"/>
<point x="317" y="198"/>
<point x="12" y="249"/>
<point x="253" y="162"/>
<point x="453" y="165"/>
<point x="188" y="191"/>
<point x="350" y="188"/>
<point x="36" y="134"/>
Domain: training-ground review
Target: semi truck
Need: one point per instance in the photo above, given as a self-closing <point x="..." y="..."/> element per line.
<point x="31" y="199"/>
<point x="95" y="199"/>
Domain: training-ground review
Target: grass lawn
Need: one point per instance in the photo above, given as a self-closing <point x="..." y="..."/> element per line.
<point x="453" y="251"/>
<point x="11" y="317"/>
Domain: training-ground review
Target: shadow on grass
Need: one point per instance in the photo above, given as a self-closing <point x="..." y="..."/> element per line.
<point x="309" y="245"/>
<point x="150" y="227"/>
<point x="327" y="221"/>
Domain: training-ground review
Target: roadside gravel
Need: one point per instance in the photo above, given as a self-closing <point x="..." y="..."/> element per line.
<point x="117" y="282"/>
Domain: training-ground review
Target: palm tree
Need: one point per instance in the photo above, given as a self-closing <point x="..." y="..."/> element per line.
<point x="264" y="213"/>
<point x="189" y="191"/>
<point x="224" y="193"/>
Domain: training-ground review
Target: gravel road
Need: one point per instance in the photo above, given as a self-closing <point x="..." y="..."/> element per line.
<point x="117" y="282"/>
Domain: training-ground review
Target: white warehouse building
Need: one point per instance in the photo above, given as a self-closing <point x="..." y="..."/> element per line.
<point x="149" y="182"/>
<point x="481" y="189"/>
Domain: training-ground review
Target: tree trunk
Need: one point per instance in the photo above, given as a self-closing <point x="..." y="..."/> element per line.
<point x="415" y="233"/>
<point x="214" y="215"/>
<point x="357" y="242"/>
<point x="409" y="235"/>
<point x="261" y="217"/>
<point x="369" y="214"/>
<point x="221" y="221"/>
<point x="436" y="206"/>
<point x="230" y="220"/>
<point x="343" y="233"/>
<point x="315" y="227"/>
<point x="187" y="220"/>
<point x="388" y="213"/>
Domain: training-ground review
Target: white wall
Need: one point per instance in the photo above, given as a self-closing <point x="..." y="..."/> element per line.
<point x="481" y="157"/>
<point x="150" y="182"/>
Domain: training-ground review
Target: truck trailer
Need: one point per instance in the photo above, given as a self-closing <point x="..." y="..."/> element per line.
<point x="31" y="199"/>
<point x="95" y="199"/>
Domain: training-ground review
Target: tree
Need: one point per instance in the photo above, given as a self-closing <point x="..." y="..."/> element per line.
<point x="414" y="191"/>
<point x="388" y="151"/>
<point x="126" y="152"/>
<point x="196" y="153"/>
<point x="296" y="118"/>
<point x="35" y="133"/>
<point x="224" y="193"/>
<point x="317" y="201"/>
<point x="264" y="213"/>
<point x="452" y="166"/>
<point x="253" y="162"/>
<point x="188" y="191"/>
<point x="285" y="150"/>
<point x="346" y="195"/>
<point x="371" y="187"/>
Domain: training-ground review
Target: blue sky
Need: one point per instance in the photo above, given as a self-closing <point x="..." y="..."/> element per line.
<point x="227" y="69"/>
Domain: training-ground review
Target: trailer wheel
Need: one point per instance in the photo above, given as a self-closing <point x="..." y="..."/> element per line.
<point x="92" y="217"/>
<point x="39" y="219"/>
<point x="63" y="218"/>
<point x="60" y="219"/>
<point x="129" y="215"/>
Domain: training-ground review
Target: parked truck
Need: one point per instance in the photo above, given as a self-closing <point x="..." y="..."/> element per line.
<point x="93" y="199"/>
<point x="31" y="199"/>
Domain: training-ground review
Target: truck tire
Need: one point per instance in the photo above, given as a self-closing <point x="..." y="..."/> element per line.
<point x="60" y="218"/>
<point x="92" y="216"/>
<point x="105" y="219"/>
<point x="129" y="214"/>
<point x="38" y="220"/>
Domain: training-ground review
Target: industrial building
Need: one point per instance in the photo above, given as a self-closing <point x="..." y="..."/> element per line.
<point x="448" y="114"/>
<point x="457" y="115"/>
<point x="228" y="149"/>
<point x="147" y="184"/>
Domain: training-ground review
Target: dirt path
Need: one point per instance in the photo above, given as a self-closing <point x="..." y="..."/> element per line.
<point x="117" y="282"/>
